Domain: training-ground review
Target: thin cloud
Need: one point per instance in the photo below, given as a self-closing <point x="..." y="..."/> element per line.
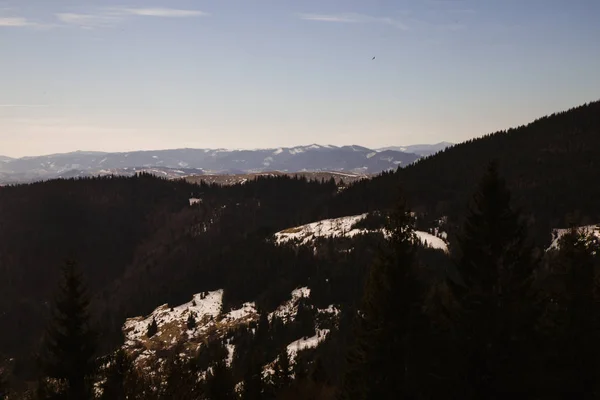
<point x="14" y="22"/>
<point x="164" y="12"/>
<point x="353" y="18"/>
<point x="328" y="18"/>
<point x="88" y="21"/>
<point x="20" y="22"/>
<point x="22" y="105"/>
<point x="109" y="17"/>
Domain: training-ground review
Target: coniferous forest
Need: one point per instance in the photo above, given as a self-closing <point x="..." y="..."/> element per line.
<point x="509" y="311"/>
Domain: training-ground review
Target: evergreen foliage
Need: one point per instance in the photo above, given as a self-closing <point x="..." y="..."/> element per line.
<point x="119" y="378"/>
<point x="498" y="309"/>
<point x="283" y="373"/>
<point x="152" y="328"/>
<point x="572" y="362"/>
<point x="378" y="365"/>
<point x="220" y="385"/>
<point x="549" y="163"/>
<point x="191" y="321"/>
<point x="253" y="385"/>
<point x="70" y="342"/>
<point x="496" y="323"/>
<point x="4" y="386"/>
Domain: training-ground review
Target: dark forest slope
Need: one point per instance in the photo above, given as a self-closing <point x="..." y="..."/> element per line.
<point x="552" y="166"/>
<point x="137" y="240"/>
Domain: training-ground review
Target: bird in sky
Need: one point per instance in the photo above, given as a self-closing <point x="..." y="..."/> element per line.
<point x="372" y="58"/>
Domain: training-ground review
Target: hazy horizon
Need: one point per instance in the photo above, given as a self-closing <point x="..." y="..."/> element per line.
<point x="217" y="148"/>
<point x="136" y="75"/>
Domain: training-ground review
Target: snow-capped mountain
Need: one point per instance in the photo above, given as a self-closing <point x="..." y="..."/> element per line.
<point x="422" y="150"/>
<point x="181" y="162"/>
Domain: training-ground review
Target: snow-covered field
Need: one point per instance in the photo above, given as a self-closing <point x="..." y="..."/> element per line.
<point x="342" y="227"/>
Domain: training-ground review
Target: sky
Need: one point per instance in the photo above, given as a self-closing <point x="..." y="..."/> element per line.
<point x="126" y="75"/>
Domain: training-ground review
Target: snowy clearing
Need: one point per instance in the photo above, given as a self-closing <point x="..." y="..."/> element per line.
<point x="342" y="227"/>
<point x="326" y="228"/>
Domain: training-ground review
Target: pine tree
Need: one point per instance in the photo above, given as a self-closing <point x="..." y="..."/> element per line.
<point x="305" y="320"/>
<point x="191" y="321"/>
<point x="219" y="383"/>
<point x="70" y="343"/>
<point x="114" y="387"/>
<point x="253" y="381"/>
<point x="180" y="379"/>
<point x="497" y="307"/>
<point x="576" y="366"/>
<point x="379" y="362"/>
<point x="283" y="374"/>
<point x="4" y="387"/>
<point x="319" y="372"/>
<point x="152" y="328"/>
<point x="262" y="329"/>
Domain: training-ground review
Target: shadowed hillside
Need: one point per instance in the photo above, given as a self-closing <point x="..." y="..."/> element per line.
<point x="551" y="165"/>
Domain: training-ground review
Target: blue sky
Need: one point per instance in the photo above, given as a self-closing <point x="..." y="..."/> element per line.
<point x="123" y="75"/>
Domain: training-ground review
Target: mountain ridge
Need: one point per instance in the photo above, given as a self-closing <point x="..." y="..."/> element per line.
<point x="171" y="162"/>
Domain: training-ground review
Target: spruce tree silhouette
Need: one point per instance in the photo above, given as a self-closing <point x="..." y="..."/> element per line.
<point x="498" y="310"/>
<point x="70" y="342"/>
<point x="574" y="367"/>
<point x="378" y="363"/>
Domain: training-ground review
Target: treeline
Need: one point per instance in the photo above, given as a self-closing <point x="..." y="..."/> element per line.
<point x="551" y="165"/>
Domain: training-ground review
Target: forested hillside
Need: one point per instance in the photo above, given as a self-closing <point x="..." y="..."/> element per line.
<point x="551" y="165"/>
<point x="487" y="312"/>
<point x="138" y="241"/>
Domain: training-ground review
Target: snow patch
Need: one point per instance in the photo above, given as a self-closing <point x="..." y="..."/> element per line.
<point x="326" y="228"/>
<point x="432" y="241"/>
<point x="306" y="343"/>
<point x="207" y="305"/>
<point x="342" y="227"/>
<point x="267" y="161"/>
<point x="287" y="311"/>
<point x="557" y="234"/>
<point x="246" y="310"/>
<point x="332" y="310"/>
<point x="230" y="353"/>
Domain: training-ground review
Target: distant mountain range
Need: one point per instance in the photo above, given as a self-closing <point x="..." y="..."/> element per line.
<point x="188" y="162"/>
<point x="420" y="149"/>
